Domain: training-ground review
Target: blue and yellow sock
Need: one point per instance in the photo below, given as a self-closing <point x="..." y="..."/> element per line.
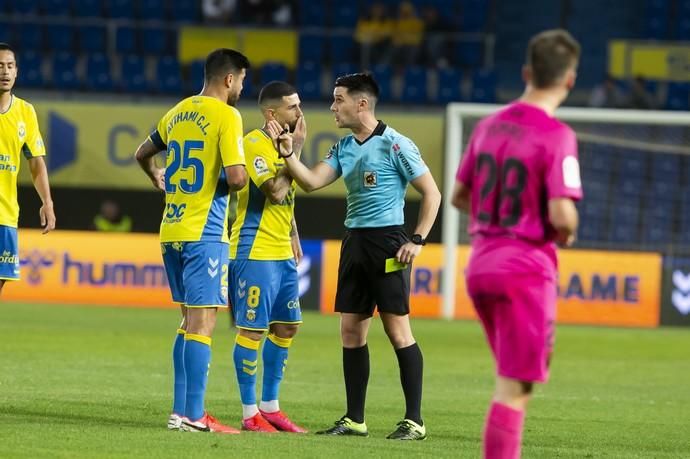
<point x="245" y="356"/>
<point x="275" y="356"/>
<point x="180" y="383"/>
<point x="197" y="357"/>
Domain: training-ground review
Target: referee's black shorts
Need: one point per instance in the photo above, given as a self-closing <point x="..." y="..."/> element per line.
<point x="363" y="283"/>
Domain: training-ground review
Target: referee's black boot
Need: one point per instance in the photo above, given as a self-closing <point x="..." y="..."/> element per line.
<point x="346" y="426"/>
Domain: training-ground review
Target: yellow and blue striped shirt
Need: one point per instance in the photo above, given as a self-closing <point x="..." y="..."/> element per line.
<point x="262" y="229"/>
<point x="19" y="133"/>
<point x="202" y="136"/>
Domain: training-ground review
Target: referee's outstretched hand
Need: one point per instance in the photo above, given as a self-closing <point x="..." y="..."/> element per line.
<point x="408" y="252"/>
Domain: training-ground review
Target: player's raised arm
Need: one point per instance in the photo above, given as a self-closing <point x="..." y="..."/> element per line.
<point x="312" y="179"/>
<point x="278" y="187"/>
<point x="145" y="157"/>
<point x="39" y="175"/>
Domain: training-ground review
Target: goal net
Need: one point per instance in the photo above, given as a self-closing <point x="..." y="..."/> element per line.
<point x="635" y="169"/>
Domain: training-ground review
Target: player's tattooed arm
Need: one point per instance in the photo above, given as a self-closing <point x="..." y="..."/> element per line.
<point x="145" y="157"/>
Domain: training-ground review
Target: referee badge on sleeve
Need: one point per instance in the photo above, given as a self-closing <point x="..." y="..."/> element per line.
<point x="369" y="179"/>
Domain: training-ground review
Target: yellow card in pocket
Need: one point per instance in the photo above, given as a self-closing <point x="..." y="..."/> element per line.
<point x="393" y="265"/>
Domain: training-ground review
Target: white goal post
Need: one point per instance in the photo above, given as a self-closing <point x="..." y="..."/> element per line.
<point x="455" y="140"/>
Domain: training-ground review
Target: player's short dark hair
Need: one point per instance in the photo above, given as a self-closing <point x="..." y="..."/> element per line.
<point x="275" y="90"/>
<point x="550" y="54"/>
<point x="5" y="47"/>
<point x="359" y="82"/>
<point x="223" y="61"/>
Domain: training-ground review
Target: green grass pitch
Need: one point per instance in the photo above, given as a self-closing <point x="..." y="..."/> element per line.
<point x="96" y="382"/>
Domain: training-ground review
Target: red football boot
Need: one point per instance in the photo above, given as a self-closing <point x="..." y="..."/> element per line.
<point x="206" y="423"/>
<point x="257" y="423"/>
<point x="280" y="421"/>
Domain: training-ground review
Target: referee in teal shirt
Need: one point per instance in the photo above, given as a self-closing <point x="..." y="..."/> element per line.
<point x="377" y="163"/>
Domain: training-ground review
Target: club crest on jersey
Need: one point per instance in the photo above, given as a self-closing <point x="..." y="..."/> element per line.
<point x="369" y="179"/>
<point x="251" y="315"/>
<point x="260" y="166"/>
<point x="21" y="129"/>
<point x="224" y="292"/>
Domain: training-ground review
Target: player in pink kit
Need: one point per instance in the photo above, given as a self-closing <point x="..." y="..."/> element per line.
<point x="518" y="180"/>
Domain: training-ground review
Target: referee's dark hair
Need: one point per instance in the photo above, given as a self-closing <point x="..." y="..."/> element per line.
<point x="223" y="61"/>
<point x="362" y="83"/>
<point x="274" y="91"/>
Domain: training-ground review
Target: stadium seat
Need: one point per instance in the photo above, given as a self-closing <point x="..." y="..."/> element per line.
<point x="341" y="48"/>
<point x="168" y="76"/>
<point x="344" y="68"/>
<point x="473" y="15"/>
<point x="92" y="39"/>
<point x="630" y="186"/>
<point x="154" y="41"/>
<point x="469" y="53"/>
<point x="273" y="71"/>
<point x="125" y="40"/>
<point x="312" y="14"/>
<point x="658" y="219"/>
<point x="133" y="74"/>
<point x="384" y="77"/>
<point x="483" y="86"/>
<point x="30" y="37"/>
<point x="53" y="8"/>
<point x="195" y="77"/>
<point x="625" y="215"/>
<point x="449" y="80"/>
<point x="310" y="47"/>
<point x="656" y="19"/>
<point x="309" y="80"/>
<point x="186" y="11"/>
<point x="60" y="37"/>
<point x="65" y="71"/>
<point x="632" y="164"/>
<point x="121" y="9"/>
<point x="98" y="74"/>
<point x="345" y="14"/>
<point x="152" y="10"/>
<point x="678" y="96"/>
<point x="27" y="7"/>
<point x="6" y="32"/>
<point x="414" y="85"/>
<point x="30" y="70"/>
<point x="87" y="8"/>
<point x="666" y="168"/>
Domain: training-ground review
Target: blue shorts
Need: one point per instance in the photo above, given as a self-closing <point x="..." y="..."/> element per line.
<point x="264" y="292"/>
<point x="197" y="273"/>
<point x="9" y="253"/>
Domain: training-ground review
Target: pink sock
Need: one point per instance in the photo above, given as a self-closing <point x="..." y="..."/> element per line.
<point x="503" y="432"/>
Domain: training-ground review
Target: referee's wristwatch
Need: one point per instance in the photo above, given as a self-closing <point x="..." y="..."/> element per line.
<point x="417" y="239"/>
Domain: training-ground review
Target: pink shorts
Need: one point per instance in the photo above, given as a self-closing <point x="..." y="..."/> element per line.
<point x="518" y="313"/>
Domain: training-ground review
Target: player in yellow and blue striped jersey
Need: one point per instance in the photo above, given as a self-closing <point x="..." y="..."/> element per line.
<point x="264" y="252"/>
<point x="19" y="133"/>
<point x="205" y="161"/>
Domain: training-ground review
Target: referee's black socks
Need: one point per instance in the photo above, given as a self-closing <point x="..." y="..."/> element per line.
<point x="356" y="371"/>
<point x="411" y="365"/>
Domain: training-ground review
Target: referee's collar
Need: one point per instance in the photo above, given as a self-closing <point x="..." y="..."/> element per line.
<point x="378" y="130"/>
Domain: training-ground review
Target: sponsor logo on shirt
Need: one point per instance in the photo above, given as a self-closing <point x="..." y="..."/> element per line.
<point x="260" y="166"/>
<point x="403" y="160"/>
<point x="571" y="172"/>
<point x="369" y="179"/>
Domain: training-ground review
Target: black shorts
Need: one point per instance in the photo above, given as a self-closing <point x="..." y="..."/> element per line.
<point x="363" y="283"/>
